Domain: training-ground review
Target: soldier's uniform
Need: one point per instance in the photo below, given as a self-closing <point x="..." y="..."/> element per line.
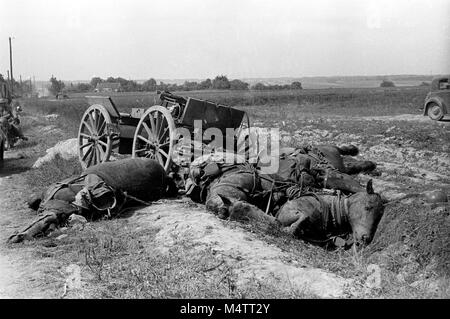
<point x="9" y="121"/>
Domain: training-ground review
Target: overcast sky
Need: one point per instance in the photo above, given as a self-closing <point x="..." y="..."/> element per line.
<point x="78" y="39"/>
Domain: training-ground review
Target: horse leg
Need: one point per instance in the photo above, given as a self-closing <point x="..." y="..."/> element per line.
<point x="357" y="167"/>
<point x="350" y="150"/>
<point x="240" y="210"/>
<point x="295" y="226"/>
<point x="218" y="205"/>
<point x="337" y="180"/>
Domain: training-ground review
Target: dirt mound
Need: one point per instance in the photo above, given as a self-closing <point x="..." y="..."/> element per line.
<point x="66" y="149"/>
<point x="414" y="234"/>
<point x="252" y="259"/>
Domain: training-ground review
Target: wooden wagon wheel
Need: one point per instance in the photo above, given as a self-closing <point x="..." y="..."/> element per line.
<point x="94" y="140"/>
<point x="154" y="136"/>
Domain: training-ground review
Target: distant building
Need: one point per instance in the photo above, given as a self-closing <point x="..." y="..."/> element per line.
<point x="108" y="87"/>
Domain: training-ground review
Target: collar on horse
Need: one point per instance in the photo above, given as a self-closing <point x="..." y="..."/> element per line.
<point x="334" y="213"/>
<point x="339" y="212"/>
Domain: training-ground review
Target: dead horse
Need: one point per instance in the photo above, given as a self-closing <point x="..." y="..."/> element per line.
<point x="313" y="217"/>
<point x="332" y="156"/>
<point x="102" y="189"/>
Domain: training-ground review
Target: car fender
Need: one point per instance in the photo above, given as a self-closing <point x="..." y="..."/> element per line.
<point x="436" y="100"/>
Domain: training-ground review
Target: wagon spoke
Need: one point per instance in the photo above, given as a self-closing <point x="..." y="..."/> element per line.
<point x="86" y="124"/>
<point x="163" y="134"/>
<point x="101" y="152"/>
<point x="91" y="121"/>
<point x="91" y="155"/>
<point x="85" y="135"/>
<point x="152" y="124"/>
<point x="85" y="145"/>
<point x="164" y="144"/>
<point x="88" y="156"/>
<point x="103" y="143"/>
<point x="163" y="124"/>
<point x="149" y="132"/>
<point x="163" y="153"/>
<point x="160" y="159"/>
<point x="157" y="124"/>
<point x="98" y="153"/>
<point x="95" y="156"/>
<point x="102" y="126"/>
<point x="144" y="139"/>
<point x="92" y="158"/>
<point x="140" y="150"/>
<point x="99" y="121"/>
<point x="87" y="153"/>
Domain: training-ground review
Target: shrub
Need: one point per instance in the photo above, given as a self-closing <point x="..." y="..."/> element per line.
<point x="221" y="82"/>
<point x="387" y="83"/>
<point x="238" y="85"/>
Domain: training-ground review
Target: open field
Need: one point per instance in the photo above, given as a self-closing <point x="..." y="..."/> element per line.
<point x="176" y="249"/>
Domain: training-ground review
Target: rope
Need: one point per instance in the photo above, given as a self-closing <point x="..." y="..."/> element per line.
<point x="136" y="199"/>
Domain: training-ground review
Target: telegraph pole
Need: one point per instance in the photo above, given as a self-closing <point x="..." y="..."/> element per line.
<point x="10" y="66"/>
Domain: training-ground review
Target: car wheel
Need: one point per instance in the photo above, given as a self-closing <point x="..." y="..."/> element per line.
<point x="435" y="112"/>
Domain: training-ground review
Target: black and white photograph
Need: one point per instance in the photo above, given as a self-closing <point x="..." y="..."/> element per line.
<point x="200" y="152"/>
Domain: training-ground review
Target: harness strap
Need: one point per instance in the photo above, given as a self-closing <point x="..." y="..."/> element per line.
<point x="58" y="186"/>
<point x="339" y="211"/>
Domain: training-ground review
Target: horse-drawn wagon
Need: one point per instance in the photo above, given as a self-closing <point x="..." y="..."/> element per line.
<point x="154" y="132"/>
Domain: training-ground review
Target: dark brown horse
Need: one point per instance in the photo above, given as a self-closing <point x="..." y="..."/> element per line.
<point x="243" y="193"/>
<point x="102" y="190"/>
<point x="330" y="156"/>
<point x="322" y="167"/>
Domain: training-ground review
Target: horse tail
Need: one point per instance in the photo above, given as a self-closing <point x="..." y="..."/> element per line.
<point x="351" y="150"/>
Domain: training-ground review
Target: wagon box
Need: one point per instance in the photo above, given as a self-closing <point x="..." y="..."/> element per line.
<point x="151" y="132"/>
<point x="437" y="101"/>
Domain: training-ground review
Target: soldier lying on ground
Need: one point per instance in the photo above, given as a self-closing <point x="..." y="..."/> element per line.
<point x="103" y="190"/>
<point x="315" y="167"/>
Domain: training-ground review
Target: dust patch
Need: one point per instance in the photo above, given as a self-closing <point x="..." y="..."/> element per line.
<point x="67" y="149"/>
<point x="251" y="258"/>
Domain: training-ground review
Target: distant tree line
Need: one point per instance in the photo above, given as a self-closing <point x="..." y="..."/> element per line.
<point x="220" y="82"/>
<point x="292" y="86"/>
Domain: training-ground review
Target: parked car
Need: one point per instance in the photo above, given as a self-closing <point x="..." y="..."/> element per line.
<point x="437" y="101"/>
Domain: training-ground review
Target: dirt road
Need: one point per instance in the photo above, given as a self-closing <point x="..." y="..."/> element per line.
<point x="22" y="275"/>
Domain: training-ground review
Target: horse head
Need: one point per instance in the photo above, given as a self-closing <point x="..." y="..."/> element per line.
<point x="365" y="210"/>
